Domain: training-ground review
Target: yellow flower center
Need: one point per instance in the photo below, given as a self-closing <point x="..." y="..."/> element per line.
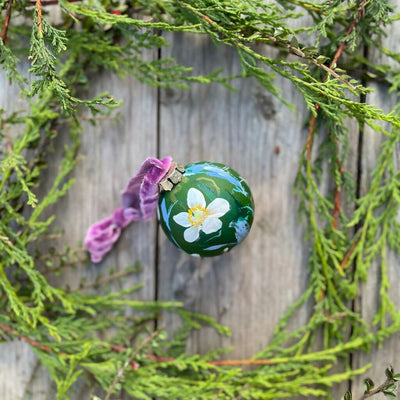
<point x="196" y="215"/>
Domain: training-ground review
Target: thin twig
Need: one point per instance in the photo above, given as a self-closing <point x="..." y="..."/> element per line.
<point x="128" y="361"/>
<point x="379" y="389"/>
<point x="336" y="200"/>
<point x="266" y="361"/>
<point x="52" y="2"/>
<point x="212" y="362"/>
<point x="6" y="22"/>
<point x="159" y="359"/>
<point x="39" y="15"/>
<point x="270" y="361"/>
<point x="343" y="264"/>
<point x="294" y="50"/>
<point x="340" y="49"/>
<point x="311" y="129"/>
<point x="134" y="365"/>
<point x="109" y="278"/>
<point x="215" y="362"/>
<point x="337" y="208"/>
<point x="298" y="52"/>
<point x="32" y="342"/>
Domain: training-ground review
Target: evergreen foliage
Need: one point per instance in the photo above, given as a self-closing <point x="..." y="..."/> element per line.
<point x="67" y="328"/>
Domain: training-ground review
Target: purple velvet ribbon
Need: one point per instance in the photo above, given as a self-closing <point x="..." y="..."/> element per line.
<point x="139" y="202"/>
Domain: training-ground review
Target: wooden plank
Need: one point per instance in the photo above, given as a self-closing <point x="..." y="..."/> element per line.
<point x="111" y="151"/>
<point x="251" y="287"/>
<point x="386" y="355"/>
<point x="17" y="360"/>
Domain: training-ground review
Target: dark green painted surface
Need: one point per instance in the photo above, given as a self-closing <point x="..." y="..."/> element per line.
<point x="209" y="212"/>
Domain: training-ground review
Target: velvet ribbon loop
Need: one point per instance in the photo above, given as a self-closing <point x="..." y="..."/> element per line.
<point x="139" y="202"/>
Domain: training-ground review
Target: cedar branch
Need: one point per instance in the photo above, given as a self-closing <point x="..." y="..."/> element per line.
<point x="129" y="360"/>
<point x="134" y="365"/>
<point x="294" y="50"/>
<point x="299" y="53"/>
<point x="313" y="120"/>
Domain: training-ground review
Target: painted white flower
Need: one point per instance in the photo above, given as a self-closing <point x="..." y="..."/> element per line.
<point x="199" y="217"/>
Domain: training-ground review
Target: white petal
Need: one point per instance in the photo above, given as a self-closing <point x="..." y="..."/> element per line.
<point x="191" y="234"/>
<point x="211" y="225"/>
<point x="218" y="207"/>
<point x="195" y="198"/>
<point x="182" y="219"/>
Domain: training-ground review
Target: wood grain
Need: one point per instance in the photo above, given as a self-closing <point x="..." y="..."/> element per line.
<point x="249" y="288"/>
<point x="388" y="354"/>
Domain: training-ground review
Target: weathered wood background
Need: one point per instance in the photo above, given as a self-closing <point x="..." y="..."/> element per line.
<point x="252" y="286"/>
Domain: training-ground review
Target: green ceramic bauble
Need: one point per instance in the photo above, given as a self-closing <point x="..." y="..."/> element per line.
<point x="209" y="211"/>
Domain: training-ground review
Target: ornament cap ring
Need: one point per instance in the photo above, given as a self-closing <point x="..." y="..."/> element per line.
<point x="172" y="178"/>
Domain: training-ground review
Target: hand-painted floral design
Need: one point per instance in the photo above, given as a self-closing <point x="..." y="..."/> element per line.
<point x="201" y="217"/>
